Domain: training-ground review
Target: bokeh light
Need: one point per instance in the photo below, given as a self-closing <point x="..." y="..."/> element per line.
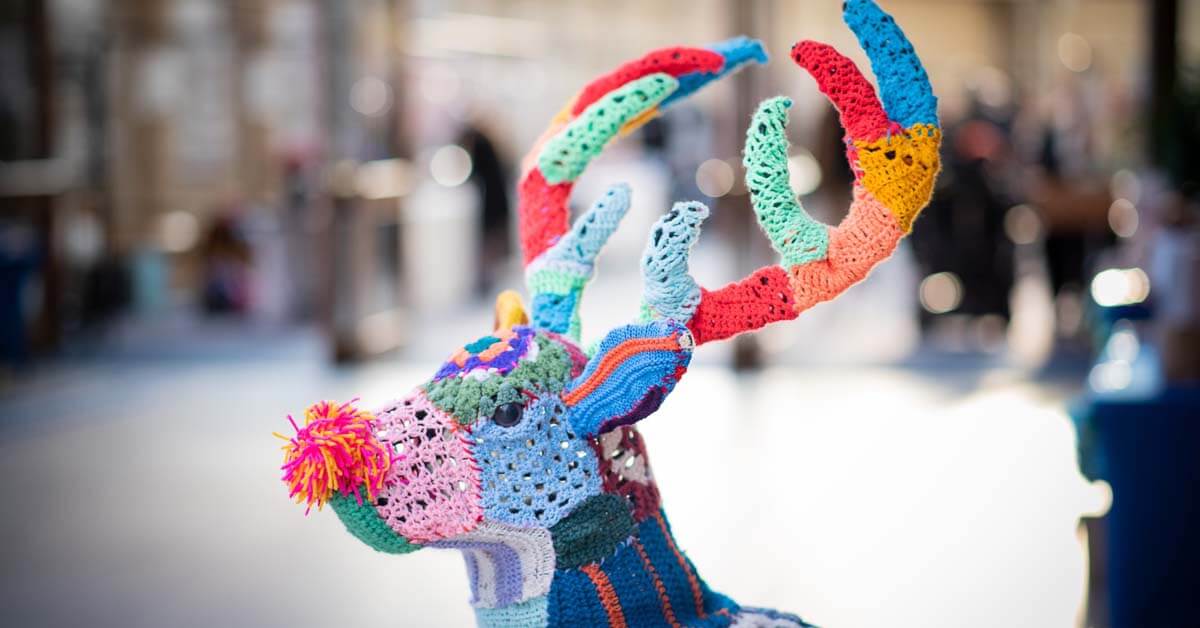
<point x="450" y="166"/>
<point x="715" y="178"/>
<point x="941" y="292"/>
<point x="1075" y="52"/>
<point x="1120" y="286"/>
<point x="370" y="96"/>
<point x="1022" y="224"/>
<point x="1123" y="218"/>
<point x="178" y="231"/>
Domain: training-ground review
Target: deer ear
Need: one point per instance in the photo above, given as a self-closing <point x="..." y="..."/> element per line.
<point x="509" y="311"/>
<point x="634" y="369"/>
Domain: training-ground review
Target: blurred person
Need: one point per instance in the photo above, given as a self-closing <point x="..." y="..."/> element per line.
<point x="226" y="264"/>
<point x="1175" y="275"/>
<point x="18" y="259"/>
<point x="1071" y="194"/>
<point x="963" y="229"/>
<point x="490" y="179"/>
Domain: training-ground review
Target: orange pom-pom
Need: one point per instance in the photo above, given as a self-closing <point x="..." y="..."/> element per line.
<point x="336" y="450"/>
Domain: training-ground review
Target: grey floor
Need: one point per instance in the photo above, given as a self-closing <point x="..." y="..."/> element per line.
<point x="144" y="491"/>
<point x="846" y="483"/>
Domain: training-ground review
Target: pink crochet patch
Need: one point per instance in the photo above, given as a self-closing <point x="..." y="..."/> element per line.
<point x="441" y="498"/>
<point x="867" y="235"/>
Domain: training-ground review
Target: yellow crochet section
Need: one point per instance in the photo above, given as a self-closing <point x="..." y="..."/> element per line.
<point x="639" y="121"/>
<point x="509" y="311"/>
<point x="900" y="170"/>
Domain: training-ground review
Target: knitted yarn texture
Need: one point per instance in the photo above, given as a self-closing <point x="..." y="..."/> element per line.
<point x="522" y="451"/>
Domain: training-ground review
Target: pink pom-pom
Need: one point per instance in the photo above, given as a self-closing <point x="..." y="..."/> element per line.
<point x="336" y="450"/>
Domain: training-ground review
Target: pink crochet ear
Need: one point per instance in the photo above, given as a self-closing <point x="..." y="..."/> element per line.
<point x="336" y="450"/>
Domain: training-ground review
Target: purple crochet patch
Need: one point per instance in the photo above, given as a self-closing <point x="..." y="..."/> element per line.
<point x="501" y="351"/>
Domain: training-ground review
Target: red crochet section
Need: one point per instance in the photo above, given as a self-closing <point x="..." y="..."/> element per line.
<point x="674" y="61"/>
<point x="839" y="79"/>
<point x="543" y="213"/>
<point x="625" y="469"/>
<point x="760" y="299"/>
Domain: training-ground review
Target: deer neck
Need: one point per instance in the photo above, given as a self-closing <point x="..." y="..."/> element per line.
<point x="613" y="557"/>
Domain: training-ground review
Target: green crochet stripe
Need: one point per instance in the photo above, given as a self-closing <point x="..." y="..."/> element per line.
<point x="566" y="154"/>
<point x="554" y="281"/>
<point x="793" y="233"/>
<point x="467" y="399"/>
<point x="592" y="531"/>
<point x="364" y="522"/>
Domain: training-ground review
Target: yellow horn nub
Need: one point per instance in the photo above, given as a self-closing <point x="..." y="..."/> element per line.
<point x="509" y="310"/>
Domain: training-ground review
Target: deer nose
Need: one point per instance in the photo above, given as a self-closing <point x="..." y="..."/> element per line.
<point x="433" y="491"/>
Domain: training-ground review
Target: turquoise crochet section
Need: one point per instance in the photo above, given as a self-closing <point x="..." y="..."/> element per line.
<point x="532" y="613"/>
<point x="364" y="522"/>
<point x="557" y="278"/>
<point x="668" y="291"/>
<point x="793" y="233"/>
<point x="566" y="154"/>
<point x="903" y="84"/>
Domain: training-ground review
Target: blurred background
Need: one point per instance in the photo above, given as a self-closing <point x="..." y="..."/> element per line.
<point x="215" y="213"/>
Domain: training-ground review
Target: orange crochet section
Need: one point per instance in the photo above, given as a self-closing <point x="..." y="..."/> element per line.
<point x="868" y="235"/>
<point x="614" y="359"/>
<point x="663" y="599"/>
<point x="607" y="595"/>
<point x="693" y="582"/>
<point x="900" y="170"/>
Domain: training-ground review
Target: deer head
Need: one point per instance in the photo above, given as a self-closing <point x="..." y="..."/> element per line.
<point x="520" y="450"/>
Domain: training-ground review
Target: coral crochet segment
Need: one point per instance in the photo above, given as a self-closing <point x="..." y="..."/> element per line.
<point x="522" y="451"/>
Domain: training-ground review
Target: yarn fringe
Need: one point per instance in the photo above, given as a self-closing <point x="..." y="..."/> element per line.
<point x="335" y="451"/>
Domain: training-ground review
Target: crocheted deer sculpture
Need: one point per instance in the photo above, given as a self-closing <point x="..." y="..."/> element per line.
<point x="522" y="450"/>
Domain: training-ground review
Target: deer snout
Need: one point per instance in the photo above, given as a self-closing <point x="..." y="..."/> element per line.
<point x="433" y="492"/>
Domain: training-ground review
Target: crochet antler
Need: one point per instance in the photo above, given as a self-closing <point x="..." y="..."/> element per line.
<point x="558" y="262"/>
<point x="893" y="150"/>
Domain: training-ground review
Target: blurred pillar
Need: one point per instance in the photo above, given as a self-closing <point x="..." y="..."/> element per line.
<point x="40" y="55"/>
<point x="1163" y="72"/>
<point x="359" y="320"/>
<point x="340" y="308"/>
<point x="257" y="170"/>
<point x="750" y="245"/>
<point x="140" y="134"/>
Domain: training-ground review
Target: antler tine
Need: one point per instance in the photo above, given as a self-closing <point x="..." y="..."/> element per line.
<point x="893" y="149"/>
<point x="556" y="266"/>
<point x="668" y="291"/>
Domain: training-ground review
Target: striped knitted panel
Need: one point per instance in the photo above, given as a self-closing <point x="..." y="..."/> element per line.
<point x="647" y="582"/>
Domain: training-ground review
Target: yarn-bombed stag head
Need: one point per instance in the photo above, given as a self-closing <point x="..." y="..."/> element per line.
<point x="522" y="432"/>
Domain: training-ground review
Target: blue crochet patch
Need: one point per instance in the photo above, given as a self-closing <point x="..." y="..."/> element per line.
<point x="903" y="84"/>
<point x="737" y="52"/>
<point x="537" y="471"/>
<point x="637" y="384"/>
<point x="552" y="311"/>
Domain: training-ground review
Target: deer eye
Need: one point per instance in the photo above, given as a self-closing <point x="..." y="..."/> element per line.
<point x="508" y="414"/>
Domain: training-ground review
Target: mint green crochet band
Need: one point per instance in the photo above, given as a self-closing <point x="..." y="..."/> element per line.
<point x="796" y="236"/>
<point x="566" y="154"/>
